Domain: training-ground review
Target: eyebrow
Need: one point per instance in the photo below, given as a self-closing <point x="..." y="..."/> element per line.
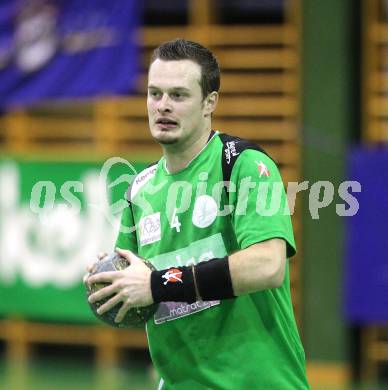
<point x="171" y="89"/>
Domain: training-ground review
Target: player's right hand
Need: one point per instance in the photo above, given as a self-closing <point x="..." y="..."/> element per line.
<point x="90" y="267"/>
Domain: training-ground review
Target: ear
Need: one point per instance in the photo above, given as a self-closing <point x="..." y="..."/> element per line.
<point x="210" y="103"/>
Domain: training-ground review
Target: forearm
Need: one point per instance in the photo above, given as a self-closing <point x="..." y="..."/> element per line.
<point x="258" y="267"/>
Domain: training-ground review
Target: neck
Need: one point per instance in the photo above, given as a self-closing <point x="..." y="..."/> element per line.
<point x="179" y="156"/>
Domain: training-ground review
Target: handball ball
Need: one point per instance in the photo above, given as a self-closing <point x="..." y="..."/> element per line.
<point x="136" y="316"/>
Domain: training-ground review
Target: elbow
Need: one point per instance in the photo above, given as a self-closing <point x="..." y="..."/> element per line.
<point x="276" y="273"/>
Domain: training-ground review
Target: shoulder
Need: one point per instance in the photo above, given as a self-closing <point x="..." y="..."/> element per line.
<point x="233" y="146"/>
<point x="141" y="179"/>
<point x="256" y="163"/>
<point x="241" y="154"/>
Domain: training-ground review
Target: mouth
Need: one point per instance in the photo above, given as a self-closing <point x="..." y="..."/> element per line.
<point x="166" y="123"/>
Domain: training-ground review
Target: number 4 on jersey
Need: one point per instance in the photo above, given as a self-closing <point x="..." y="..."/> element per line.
<point x="175" y="224"/>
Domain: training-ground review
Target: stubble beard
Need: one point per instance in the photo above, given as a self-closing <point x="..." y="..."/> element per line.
<point x="167" y="142"/>
<point x="160" y="139"/>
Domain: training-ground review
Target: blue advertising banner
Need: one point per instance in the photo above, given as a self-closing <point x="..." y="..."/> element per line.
<point x="58" y="49"/>
<point x="366" y="269"/>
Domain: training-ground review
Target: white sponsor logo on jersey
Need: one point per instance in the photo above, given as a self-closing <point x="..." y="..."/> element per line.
<point x="205" y="211"/>
<point x="141" y="179"/>
<point x="150" y="229"/>
<point x="230" y="151"/>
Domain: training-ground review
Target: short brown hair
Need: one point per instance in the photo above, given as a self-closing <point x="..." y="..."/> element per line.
<point x="181" y="49"/>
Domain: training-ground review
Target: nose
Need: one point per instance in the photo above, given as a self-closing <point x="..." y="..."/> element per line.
<point x="164" y="104"/>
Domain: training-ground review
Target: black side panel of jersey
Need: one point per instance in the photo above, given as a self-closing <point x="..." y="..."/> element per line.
<point x="232" y="148"/>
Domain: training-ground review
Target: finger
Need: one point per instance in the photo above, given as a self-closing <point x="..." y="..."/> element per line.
<point x="109" y="304"/>
<point x="85" y="278"/>
<point x="102" y="293"/>
<point x="101" y="255"/>
<point x="104" y="277"/>
<point x="89" y="267"/>
<point x="126" y="254"/>
<point x="122" y="311"/>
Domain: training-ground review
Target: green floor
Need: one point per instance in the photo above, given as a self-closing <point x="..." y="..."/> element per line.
<point x="62" y="375"/>
<point x="58" y="374"/>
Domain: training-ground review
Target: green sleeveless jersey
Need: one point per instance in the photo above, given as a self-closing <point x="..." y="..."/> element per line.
<point x="188" y="217"/>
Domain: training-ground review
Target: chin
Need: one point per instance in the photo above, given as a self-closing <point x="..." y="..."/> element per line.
<point x="165" y="138"/>
<point x="167" y="141"/>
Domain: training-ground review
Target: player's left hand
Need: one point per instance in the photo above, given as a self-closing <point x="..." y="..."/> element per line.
<point x="132" y="286"/>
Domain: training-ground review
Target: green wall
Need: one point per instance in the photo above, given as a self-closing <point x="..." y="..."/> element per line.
<point x="327" y="87"/>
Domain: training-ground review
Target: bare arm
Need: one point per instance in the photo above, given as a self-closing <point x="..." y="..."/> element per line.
<point x="258" y="267"/>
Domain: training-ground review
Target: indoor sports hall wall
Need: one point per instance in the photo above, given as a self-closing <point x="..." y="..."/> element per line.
<point x="305" y="79"/>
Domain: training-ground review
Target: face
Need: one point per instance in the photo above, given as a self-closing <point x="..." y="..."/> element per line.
<point x="176" y="110"/>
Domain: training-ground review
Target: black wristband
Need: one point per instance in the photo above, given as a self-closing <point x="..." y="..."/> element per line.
<point x="175" y="284"/>
<point x="213" y="279"/>
<point x="207" y="281"/>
